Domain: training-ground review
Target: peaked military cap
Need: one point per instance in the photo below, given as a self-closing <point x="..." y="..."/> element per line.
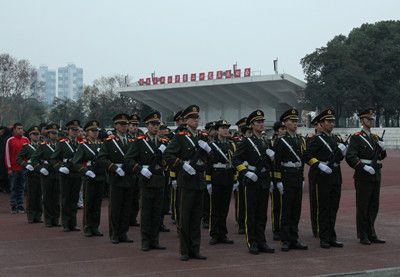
<point x="134" y="119"/>
<point x="34" y="129"/>
<point x="178" y="115"/>
<point x="255" y="116"/>
<point x="368" y="113"/>
<point x="73" y="123"/>
<point x="326" y="114"/>
<point x="52" y="127"/>
<point x="153" y="117"/>
<point x="92" y="125"/>
<point x="222" y="123"/>
<point x="292" y="114"/>
<point x="191" y="111"/>
<point x="122" y="118"/>
<point x="241" y="122"/>
<point x="210" y="125"/>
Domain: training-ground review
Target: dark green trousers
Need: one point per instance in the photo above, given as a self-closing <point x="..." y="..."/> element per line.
<point x="51" y="200"/>
<point x="313" y="200"/>
<point x="92" y="209"/>
<point x="240" y="206"/>
<point x="190" y="220"/>
<point x="206" y="207"/>
<point x="276" y="210"/>
<point x="33" y="198"/>
<point x="151" y="210"/>
<point x="135" y="206"/>
<point x="219" y="209"/>
<point x="367" y="201"/>
<point x="70" y="188"/>
<point x="119" y="211"/>
<point x="256" y="202"/>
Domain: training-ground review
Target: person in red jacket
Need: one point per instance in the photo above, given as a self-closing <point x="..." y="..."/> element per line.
<point x="15" y="171"/>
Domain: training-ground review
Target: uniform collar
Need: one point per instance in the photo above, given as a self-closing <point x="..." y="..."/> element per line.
<point x="366" y="131"/>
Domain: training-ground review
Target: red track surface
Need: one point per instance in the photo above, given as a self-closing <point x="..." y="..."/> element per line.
<point x="33" y="250"/>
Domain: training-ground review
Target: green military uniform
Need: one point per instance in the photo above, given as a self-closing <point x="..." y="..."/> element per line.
<point x="48" y="179"/>
<point x="184" y="156"/>
<point x="275" y="193"/>
<point x="144" y="158"/>
<point x="134" y="119"/>
<point x="324" y="155"/>
<point x="111" y="157"/>
<point x="289" y="167"/>
<point x="70" y="180"/>
<point x="93" y="175"/>
<point x="240" y="209"/>
<point x="254" y="165"/>
<point x="364" y="152"/>
<point x="221" y="175"/>
<point x="34" y="190"/>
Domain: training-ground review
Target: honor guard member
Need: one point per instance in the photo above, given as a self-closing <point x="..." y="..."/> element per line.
<point x="70" y="179"/>
<point x="175" y="193"/>
<point x="289" y="152"/>
<point x="133" y="133"/>
<point x="48" y="176"/>
<point x="252" y="160"/>
<point x="111" y="157"/>
<point x="187" y="155"/>
<point x="34" y="191"/>
<point x="93" y="175"/>
<point x="164" y="135"/>
<point x="144" y="158"/>
<point x="209" y="136"/>
<point x="364" y="151"/>
<point x="312" y="173"/>
<point x="324" y="154"/>
<point x="240" y="211"/>
<point x="221" y="177"/>
<point x="275" y="192"/>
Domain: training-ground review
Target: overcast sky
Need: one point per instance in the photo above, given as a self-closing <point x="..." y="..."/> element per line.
<point x="174" y="37"/>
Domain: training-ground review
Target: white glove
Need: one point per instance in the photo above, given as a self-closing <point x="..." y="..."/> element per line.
<point x="325" y="168"/>
<point x="29" y="167"/>
<point x="235" y="186"/>
<point x="342" y="148"/>
<point x="209" y="189"/>
<point x="44" y="171"/>
<point x="271" y="187"/>
<point x="146" y="172"/>
<point x="251" y="175"/>
<point x="90" y="174"/>
<point x="381" y="145"/>
<point x="279" y="186"/>
<point x="270" y="153"/>
<point x="204" y="145"/>
<point x="189" y="169"/>
<point x="64" y="170"/>
<point x="369" y="169"/>
<point x="162" y="148"/>
<point x="174" y="184"/>
<point x="120" y="172"/>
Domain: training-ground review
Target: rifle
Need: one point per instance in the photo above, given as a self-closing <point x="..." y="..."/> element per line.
<point x="377" y="153"/>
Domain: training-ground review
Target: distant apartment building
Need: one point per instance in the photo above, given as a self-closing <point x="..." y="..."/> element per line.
<point x="47" y="77"/>
<point x="70" y="81"/>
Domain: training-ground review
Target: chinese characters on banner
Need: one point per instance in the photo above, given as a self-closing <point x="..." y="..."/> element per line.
<point x="220" y="74"/>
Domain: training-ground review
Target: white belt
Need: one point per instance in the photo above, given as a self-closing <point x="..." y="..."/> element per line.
<point x="366" y="161"/>
<point x="292" y="164"/>
<point x="334" y="164"/>
<point x="222" y="165"/>
<point x="157" y="167"/>
<point x="199" y="162"/>
<point x="119" y="165"/>
<point x="253" y="168"/>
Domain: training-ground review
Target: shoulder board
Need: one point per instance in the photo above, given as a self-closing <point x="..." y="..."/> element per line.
<point x="184" y="134"/>
<point x="82" y="141"/>
<point x="110" y="137"/>
<point x="357" y="134"/>
<point x="141" y="137"/>
<point x="131" y="139"/>
<point x="43" y="143"/>
<point x="25" y="143"/>
<point x="204" y="134"/>
<point x="63" y="140"/>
